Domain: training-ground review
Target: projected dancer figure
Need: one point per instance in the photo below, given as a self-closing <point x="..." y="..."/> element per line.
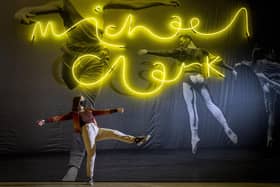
<point x="268" y="72"/>
<point x="193" y="84"/>
<point x="82" y="40"/>
<point x="84" y="122"/>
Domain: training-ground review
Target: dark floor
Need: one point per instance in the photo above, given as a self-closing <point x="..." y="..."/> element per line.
<point x="134" y="184"/>
<point x="153" y="166"/>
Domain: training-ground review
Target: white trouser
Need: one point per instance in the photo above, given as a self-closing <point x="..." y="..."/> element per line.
<point x="91" y="133"/>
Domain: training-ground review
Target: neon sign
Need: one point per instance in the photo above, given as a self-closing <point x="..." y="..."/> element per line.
<point x="158" y="74"/>
<point x="195" y="22"/>
<point x="128" y="29"/>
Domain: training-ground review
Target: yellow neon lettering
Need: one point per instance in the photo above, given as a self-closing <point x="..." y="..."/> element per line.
<point x="158" y="75"/>
<point x="177" y="76"/>
<point x="211" y="69"/>
<point x="129" y="30"/>
<point x="135" y="92"/>
<point x="90" y="84"/>
<point x="120" y="62"/>
<point x="127" y="27"/>
<point x="194" y="22"/>
<point x="49" y="29"/>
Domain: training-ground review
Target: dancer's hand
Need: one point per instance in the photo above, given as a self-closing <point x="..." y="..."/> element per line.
<point x="24" y="16"/>
<point x="121" y="110"/>
<point x="243" y="62"/>
<point x="237" y="65"/>
<point x="234" y="72"/>
<point x="175" y="3"/>
<point x="40" y="122"/>
<point x="142" y="52"/>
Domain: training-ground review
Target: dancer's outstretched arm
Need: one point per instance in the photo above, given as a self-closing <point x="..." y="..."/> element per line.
<point x="106" y="111"/>
<point x="140" y="4"/>
<point x="26" y="14"/>
<point x="264" y="77"/>
<point x="163" y="53"/>
<point x="228" y="67"/>
<point x="243" y="62"/>
<point x="221" y="62"/>
<point x="54" y="119"/>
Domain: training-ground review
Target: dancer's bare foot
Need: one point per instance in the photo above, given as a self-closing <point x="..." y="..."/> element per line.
<point x="195" y="141"/>
<point x="231" y="135"/>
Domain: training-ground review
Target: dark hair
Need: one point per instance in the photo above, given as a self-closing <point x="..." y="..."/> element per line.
<point x="76" y="103"/>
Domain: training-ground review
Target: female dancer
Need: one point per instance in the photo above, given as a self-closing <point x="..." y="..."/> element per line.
<point x="84" y="122"/>
<point x="267" y="71"/>
<point x="193" y="84"/>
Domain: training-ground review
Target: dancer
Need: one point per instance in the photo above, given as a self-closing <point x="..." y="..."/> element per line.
<point x="84" y="122"/>
<point x="268" y="72"/>
<point x="82" y="40"/>
<point x="193" y="84"/>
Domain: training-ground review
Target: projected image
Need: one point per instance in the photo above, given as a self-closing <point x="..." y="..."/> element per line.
<point x="199" y="82"/>
<point x="194" y="83"/>
<point x="265" y="65"/>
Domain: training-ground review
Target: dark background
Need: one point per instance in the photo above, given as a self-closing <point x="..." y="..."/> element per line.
<point x="29" y="92"/>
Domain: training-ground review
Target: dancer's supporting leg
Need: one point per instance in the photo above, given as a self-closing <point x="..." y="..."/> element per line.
<point x="89" y="133"/>
<point x="190" y="100"/>
<point x="270" y="100"/>
<point x="218" y="114"/>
